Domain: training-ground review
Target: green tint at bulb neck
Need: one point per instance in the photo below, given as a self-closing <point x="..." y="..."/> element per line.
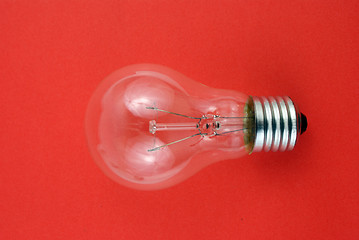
<point x="249" y="125"/>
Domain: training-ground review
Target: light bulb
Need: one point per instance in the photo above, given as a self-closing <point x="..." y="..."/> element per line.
<point x="149" y="127"/>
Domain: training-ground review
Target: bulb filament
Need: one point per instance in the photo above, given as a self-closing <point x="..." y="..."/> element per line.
<point x="208" y="125"/>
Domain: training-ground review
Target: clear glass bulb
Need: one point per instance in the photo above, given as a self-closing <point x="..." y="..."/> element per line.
<point x="150" y="127"/>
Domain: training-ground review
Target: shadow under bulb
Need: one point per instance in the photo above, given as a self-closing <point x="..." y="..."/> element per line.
<point x="149" y="127"/>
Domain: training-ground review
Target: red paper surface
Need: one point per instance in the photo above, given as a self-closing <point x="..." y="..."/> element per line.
<point x="55" y="53"/>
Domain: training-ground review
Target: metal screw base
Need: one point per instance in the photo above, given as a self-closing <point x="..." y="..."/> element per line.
<point x="278" y="123"/>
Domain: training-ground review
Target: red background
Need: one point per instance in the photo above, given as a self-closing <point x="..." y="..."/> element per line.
<point x="55" y="53"/>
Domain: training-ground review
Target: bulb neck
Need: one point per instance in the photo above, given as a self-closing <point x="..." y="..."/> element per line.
<point x="278" y="124"/>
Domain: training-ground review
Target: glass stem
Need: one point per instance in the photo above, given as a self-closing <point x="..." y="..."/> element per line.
<point x="154" y="126"/>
